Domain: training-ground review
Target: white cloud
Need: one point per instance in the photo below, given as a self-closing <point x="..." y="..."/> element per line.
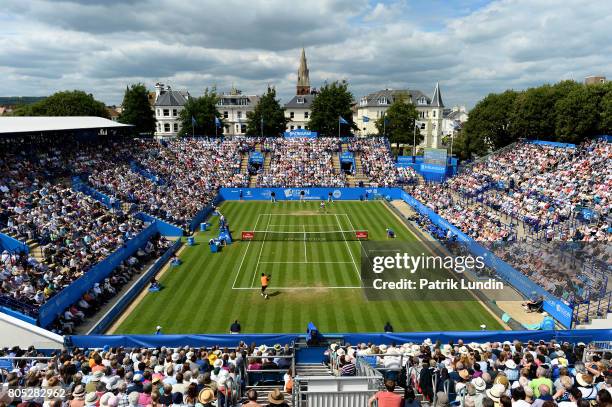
<point x="100" y="47"/>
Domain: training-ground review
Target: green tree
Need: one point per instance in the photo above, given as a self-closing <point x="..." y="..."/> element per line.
<point x="272" y="113"/>
<point x="469" y="145"/>
<point x="66" y="103"/>
<point x="398" y="123"/>
<point x="137" y="110"/>
<point x="533" y="113"/>
<point x="489" y="120"/>
<point x="332" y="102"/>
<point x="577" y="115"/>
<point x="204" y="110"/>
<point x="605" y="108"/>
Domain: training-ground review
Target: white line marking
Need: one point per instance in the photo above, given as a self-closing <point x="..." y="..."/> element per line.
<point x="245" y="253"/>
<point x="299" y="288"/>
<point x="305" y="249"/>
<point x="350" y="252"/>
<point x="303" y="214"/>
<point x="360" y="242"/>
<point x="305" y="262"/>
<point x="259" y="257"/>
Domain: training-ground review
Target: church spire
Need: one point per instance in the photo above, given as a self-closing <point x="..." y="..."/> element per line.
<point x="436" y="100"/>
<point x="303" y="82"/>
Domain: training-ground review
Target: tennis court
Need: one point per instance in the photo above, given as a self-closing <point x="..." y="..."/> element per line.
<point x="301" y="250"/>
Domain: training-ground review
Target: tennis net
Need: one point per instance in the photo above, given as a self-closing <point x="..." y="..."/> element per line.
<point x="319" y="236"/>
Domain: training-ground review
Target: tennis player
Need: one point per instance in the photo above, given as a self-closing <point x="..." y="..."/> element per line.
<point x="265" y="279"/>
<point x="322" y="206"/>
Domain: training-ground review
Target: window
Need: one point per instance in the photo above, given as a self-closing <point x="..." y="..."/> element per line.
<point x="237" y="128"/>
<point x="174" y="112"/>
<point x="176" y="127"/>
<point x="243" y="128"/>
<point x="239" y="114"/>
<point x="299" y="127"/>
<point x="434" y="113"/>
<point x="383" y="100"/>
<point x="166" y="112"/>
<point x="159" y="112"/>
<point x="306" y="115"/>
<point x="291" y="115"/>
<point x="292" y="127"/>
<point x="225" y="114"/>
<point x="300" y="100"/>
<point x="225" y="129"/>
<point x="167" y="127"/>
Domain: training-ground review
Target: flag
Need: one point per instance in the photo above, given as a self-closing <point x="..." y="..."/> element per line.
<point x="193" y="121"/>
<point x="217" y="122"/>
<point x="366" y="119"/>
<point x="342" y="120"/>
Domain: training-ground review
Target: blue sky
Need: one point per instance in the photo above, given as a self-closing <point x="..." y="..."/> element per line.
<point x="471" y="47"/>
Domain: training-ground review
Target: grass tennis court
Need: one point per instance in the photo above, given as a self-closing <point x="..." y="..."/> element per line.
<point x="312" y="279"/>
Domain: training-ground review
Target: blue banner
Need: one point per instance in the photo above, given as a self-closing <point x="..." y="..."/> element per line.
<point x="298" y="133"/>
<point x="200" y="340"/>
<point x="256" y="157"/>
<point x="551" y="143"/>
<point x="347" y="157"/>
<point x="12" y="245"/>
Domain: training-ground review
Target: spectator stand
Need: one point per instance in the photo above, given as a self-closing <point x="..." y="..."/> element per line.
<point x="111" y="315"/>
<point x="110" y="202"/>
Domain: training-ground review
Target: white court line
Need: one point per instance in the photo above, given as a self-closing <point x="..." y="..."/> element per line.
<point x="299" y="288"/>
<point x="360" y="243"/>
<point x="301" y="214"/>
<point x="306" y="262"/>
<point x="305" y="249"/>
<point x="245" y="253"/>
<point x="296" y="226"/>
<point x="259" y="257"/>
<point x="350" y="252"/>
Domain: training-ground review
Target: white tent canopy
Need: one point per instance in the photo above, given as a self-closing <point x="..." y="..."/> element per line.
<point x="38" y="124"/>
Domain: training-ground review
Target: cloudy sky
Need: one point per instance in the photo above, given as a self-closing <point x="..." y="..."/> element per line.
<point x="472" y="47"/>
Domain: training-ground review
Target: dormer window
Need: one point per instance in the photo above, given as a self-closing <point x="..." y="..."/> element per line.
<point x="383" y="100"/>
<point x="422" y="101"/>
<point x="300" y="100"/>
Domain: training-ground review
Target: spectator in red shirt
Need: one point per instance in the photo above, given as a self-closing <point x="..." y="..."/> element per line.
<point x="387" y="398"/>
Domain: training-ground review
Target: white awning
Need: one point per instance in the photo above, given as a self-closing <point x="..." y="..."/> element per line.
<point x="38" y="124"/>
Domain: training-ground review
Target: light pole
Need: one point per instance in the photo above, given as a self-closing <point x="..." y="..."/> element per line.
<point x="414" y="141"/>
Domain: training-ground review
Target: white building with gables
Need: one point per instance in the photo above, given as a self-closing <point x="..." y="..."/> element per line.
<point x="430" y="109"/>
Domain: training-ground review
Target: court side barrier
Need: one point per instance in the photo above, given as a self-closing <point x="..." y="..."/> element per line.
<point x="203" y="214"/>
<point x="125" y="300"/>
<point x="12" y="245"/>
<point x="558" y="309"/>
<point x="164" y="228"/>
<point x="71" y="294"/>
<point x="203" y="340"/>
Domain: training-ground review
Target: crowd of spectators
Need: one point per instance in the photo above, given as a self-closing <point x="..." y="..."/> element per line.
<point x="301" y="162"/>
<point x="479" y="222"/>
<point x="377" y="162"/>
<point x="508" y="374"/>
<point x="115" y="377"/>
<point x="546" y="187"/>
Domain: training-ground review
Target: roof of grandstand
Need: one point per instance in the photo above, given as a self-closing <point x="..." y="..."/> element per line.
<point x="37" y="124"/>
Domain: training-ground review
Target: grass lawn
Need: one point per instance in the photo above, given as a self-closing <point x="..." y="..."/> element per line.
<point x="314" y="281"/>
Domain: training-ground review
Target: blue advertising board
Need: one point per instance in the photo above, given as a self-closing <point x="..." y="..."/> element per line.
<point x="300" y="133"/>
<point x="346" y="157"/>
<point x="256" y="157"/>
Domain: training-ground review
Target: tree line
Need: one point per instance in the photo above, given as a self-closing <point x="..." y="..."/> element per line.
<point x="567" y="111"/>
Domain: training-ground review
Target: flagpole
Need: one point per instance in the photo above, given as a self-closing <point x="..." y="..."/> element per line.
<point x="384" y="125"/>
<point x="339" y="126"/>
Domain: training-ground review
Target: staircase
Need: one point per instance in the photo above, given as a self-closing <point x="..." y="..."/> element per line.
<point x="267" y="160"/>
<point x="594" y="315"/>
<point x="35" y="250"/>
<point x="336" y="163"/>
<point x="244" y="164"/>
<point x="312" y="369"/>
